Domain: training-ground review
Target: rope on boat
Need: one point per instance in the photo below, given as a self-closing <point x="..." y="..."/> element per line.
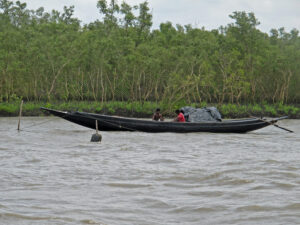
<point x="37" y="124"/>
<point x="33" y="125"/>
<point x="110" y="123"/>
<point x="119" y="126"/>
<point x="273" y="122"/>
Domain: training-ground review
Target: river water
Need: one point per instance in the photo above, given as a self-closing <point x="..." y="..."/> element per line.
<point x="50" y="173"/>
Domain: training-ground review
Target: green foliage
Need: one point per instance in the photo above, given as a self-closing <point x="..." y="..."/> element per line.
<point x="123" y="63"/>
<point x="295" y="111"/>
<point x="256" y="108"/>
<point x="145" y="109"/>
<point x="224" y="110"/>
<point x="30" y="106"/>
<point x="6" y="108"/>
<point x="287" y="109"/>
<point x="270" y="110"/>
<point x="48" y="105"/>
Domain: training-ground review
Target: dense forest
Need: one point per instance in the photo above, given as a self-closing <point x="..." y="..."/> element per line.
<point x="47" y="56"/>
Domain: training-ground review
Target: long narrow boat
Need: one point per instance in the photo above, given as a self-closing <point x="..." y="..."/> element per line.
<point x="114" y="123"/>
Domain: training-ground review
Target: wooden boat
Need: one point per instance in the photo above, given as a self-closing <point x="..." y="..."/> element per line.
<point x="114" y="123"/>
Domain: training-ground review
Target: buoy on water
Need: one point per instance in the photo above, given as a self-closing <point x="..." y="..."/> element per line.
<point x="96" y="137"/>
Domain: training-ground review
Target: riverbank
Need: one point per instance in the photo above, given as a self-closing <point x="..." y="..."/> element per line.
<point x="145" y="109"/>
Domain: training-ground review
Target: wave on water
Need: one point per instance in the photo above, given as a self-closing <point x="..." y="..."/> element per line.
<point x="196" y="209"/>
<point x="256" y="208"/>
<point x="23" y="217"/>
<point x="263" y="208"/>
<point x="213" y="194"/>
<point x="89" y="221"/>
<point x="282" y="185"/>
<point x="156" y="203"/>
<point x="34" y="160"/>
<point x="272" y="161"/>
<point x="294" y="206"/>
<point x="14" y="218"/>
<point x="127" y="185"/>
<point x="181" y="186"/>
<point x="160" y="161"/>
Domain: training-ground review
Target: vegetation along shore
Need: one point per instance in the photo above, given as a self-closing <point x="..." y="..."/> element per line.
<point x="121" y="65"/>
<point x="146" y="109"/>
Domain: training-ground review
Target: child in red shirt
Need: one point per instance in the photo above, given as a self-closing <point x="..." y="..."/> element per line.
<point x="180" y="116"/>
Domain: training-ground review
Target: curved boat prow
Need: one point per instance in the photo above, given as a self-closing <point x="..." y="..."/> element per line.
<point x="55" y="112"/>
<point x="279" y="118"/>
<point x="274" y="121"/>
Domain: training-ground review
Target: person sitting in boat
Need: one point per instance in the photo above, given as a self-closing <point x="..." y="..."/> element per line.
<point x="180" y="116"/>
<point x="157" y="116"/>
<point x="186" y="115"/>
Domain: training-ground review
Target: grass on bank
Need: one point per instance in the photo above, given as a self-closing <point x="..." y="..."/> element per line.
<point x="145" y="109"/>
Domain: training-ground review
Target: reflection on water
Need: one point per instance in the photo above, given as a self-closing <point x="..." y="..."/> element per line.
<point x="52" y="174"/>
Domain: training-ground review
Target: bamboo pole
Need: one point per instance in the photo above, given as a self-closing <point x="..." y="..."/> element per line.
<point x="96" y="126"/>
<point x="273" y="123"/>
<point x="20" y="114"/>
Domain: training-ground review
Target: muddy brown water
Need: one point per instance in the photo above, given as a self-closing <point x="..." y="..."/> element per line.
<point x="50" y="173"/>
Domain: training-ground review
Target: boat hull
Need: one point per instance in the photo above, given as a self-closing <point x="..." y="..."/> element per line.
<point x="113" y="123"/>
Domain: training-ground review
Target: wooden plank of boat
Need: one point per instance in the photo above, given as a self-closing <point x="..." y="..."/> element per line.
<point x="114" y="123"/>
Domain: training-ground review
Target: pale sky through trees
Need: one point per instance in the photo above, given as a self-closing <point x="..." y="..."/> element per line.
<point x="199" y="13"/>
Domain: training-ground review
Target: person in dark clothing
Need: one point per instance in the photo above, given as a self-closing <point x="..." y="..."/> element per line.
<point x="157" y="116"/>
<point x="186" y="115"/>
